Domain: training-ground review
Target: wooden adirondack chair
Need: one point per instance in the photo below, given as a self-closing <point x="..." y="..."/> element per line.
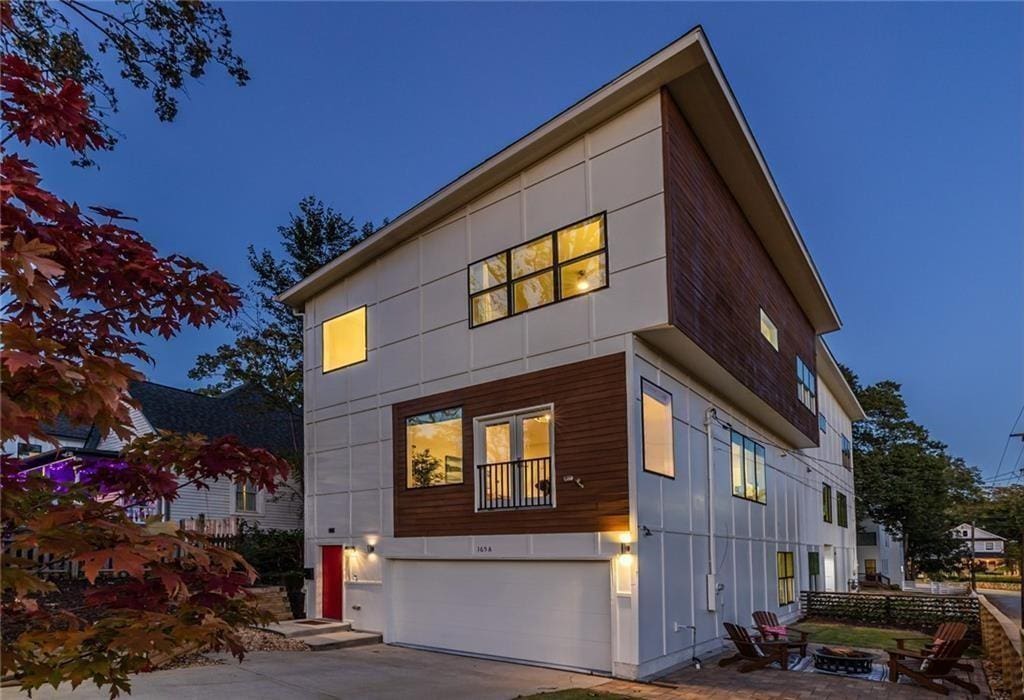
<point x="929" y="669"/>
<point x="753" y="651"/>
<point x="947" y="632"/>
<point x="768" y="627"/>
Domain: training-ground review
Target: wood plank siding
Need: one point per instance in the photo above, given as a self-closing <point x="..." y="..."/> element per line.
<point x="720" y="275"/>
<point x="589" y="399"/>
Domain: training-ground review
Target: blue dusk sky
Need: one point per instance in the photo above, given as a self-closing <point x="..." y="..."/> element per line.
<point x="894" y="132"/>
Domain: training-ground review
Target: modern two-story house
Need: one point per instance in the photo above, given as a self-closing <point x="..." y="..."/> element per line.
<point x="574" y="408"/>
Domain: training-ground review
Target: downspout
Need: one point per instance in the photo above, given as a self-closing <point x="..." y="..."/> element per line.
<point x="712" y="579"/>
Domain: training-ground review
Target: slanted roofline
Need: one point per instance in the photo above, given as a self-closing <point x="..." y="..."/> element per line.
<point x="829" y="372"/>
<point x="689" y="69"/>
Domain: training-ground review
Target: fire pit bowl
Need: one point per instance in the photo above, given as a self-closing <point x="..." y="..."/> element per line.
<point x="841" y="660"/>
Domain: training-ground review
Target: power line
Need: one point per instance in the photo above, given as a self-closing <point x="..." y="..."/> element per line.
<point x="1006" y="446"/>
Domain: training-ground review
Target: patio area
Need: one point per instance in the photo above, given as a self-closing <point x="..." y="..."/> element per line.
<point x="712" y="682"/>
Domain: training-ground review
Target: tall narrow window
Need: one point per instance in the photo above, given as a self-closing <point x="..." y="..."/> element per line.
<point x="842" y="516"/>
<point x="558" y="265"/>
<point x="813" y="569"/>
<point x="344" y="341"/>
<point x="656" y="417"/>
<point x="826" y="502"/>
<point x="822" y="422"/>
<point x="787" y="577"/>
<point x="513" y="459"/>
<point x="749" y="480"/>
<point x="847" y="450"/>
<point x="245" y="497"/>
<point x="806" y="386"/>
<point x="433" y="443"/>
<point x="769" y="331"/>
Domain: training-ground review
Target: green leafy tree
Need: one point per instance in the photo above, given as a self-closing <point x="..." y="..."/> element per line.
<point x="906" y="480"/>
<point x="267" y="350"/>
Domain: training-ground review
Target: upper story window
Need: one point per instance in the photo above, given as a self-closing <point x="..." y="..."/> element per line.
<point x="806" y="386"/>
<point x="656" y="418"/>
<point x="748" y="469"/>
<point x="513" y="459"/>
<point x="344" y="339"/>
<point x="822" y="422"/>
<point x="842" y="513"/>
<point x="769" y="331"/>
<point x="558" y="265"/>
<point x="847" y="450"/>
<point x="434" y="448"/>
<point x="826" y="502"/>
<point x="246" y="495"/>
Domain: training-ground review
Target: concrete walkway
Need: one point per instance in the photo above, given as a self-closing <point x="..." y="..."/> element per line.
<point x="380" y="671"/>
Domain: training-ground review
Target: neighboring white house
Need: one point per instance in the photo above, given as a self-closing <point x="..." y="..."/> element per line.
<point x="241" y="412"/>
<point x="515" y="390"/>
<point x="989" y="548"/>
<point x="880" y="556"/>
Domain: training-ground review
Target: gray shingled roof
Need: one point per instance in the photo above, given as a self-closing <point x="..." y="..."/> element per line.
<point x="243" y="411"/>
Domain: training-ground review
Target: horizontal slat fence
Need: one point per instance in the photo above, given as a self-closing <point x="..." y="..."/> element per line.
<point x="911" y="611"/>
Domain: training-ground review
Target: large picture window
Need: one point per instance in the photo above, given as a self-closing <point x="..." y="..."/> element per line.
<point x="344" y="339"/>
<point x="559" y="265"/>
<point x="787" y="577"/>
<point x="434" y="448"/>
<point x="749" y="480"/>
<point x="656" y="418"/>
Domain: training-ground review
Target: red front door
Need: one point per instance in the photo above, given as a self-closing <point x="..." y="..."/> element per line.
<point x="331" y="561"/>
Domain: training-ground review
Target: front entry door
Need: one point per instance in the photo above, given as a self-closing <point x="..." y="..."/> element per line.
<point x="830" y="567"/>
<point x="331" y="563"/>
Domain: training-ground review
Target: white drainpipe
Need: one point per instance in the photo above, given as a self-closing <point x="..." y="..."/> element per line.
<point x="712" y="578"/>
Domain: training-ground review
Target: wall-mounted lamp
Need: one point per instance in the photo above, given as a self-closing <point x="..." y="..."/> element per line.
<point x="349" y="549"/>
<point x="645" y="530"/>
<point x="370" y="549"/>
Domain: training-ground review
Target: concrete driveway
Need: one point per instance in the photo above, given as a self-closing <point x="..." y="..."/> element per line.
<point x="1008" y="602"/>
<point x="365" y="672"/>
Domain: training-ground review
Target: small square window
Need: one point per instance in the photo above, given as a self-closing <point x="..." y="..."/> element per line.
<point x="344" y="340"/>
<point x="580" y="239"/>
<point x="583" y="276"/>
<point x="533" y="291"/>
<point x="532" y="257"/>
<point x="488" y="273"/>
<point x="769" y="331"/>
<point x="490" y="306"/>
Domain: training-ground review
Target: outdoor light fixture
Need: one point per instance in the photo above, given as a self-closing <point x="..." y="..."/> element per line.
<point x="370" y="549"/>
<point x="349" y="549"/>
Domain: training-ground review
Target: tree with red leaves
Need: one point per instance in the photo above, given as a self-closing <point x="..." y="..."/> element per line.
<point x="79" y="291"/>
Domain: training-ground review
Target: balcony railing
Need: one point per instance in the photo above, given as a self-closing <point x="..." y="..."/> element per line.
<point x="524" y="483"/>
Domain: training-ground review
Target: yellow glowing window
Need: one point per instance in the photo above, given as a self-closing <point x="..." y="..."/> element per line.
<point x="558" y="265"/>
<point x="769" y="331"/>
<point x="345" y="339"/>
<point x="656" y="415"/>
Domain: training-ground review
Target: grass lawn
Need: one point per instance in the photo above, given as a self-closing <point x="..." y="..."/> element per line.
<point x="828" y="632"/>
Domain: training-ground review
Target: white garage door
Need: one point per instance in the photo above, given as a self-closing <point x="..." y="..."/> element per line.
<point x="555" y="613"/>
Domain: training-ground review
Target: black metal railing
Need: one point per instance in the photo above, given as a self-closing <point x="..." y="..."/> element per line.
<point x="524" y="483"/>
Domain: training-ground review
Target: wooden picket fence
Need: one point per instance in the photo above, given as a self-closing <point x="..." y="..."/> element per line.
<point x="909" y="611"/>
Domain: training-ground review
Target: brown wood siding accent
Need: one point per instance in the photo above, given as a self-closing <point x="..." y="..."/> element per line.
<point x="590" y="404"/>
<point x="720" y="275"/>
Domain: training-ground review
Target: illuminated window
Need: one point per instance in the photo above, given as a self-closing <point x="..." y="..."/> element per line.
<point x="769" y="331"/>
<point x="787" y="577"/>
<point x="558" y="265"/>
<point x="826" y="502"/>
<point x="345" y="339"/>
<point x="434" y="448"/>
<point x="245" y="497"/>
<point x="513" y="459"/>
<point x="806" y="387"/>
<point x="656" y="417"/>
<point x="749" y="480"/>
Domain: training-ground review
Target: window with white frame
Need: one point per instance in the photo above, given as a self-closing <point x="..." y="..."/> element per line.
<point x="656" y="418"/>
<point x="990" y="546"/>
<point x="514" y="454"/>
<point x="246" y="497"/>
<point x="769" y="331"/>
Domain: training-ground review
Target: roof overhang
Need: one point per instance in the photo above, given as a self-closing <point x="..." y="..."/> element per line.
<point x="689" y="69"/>
<point x="829" y="372"/>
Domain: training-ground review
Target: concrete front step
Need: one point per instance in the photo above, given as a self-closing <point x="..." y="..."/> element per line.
<point x="341" y="640"/>
<point x="293" y="629"/>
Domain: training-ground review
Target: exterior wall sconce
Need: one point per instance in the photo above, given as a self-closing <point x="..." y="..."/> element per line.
<point x="349" y="549"/>
<point x="370" y="549"/>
